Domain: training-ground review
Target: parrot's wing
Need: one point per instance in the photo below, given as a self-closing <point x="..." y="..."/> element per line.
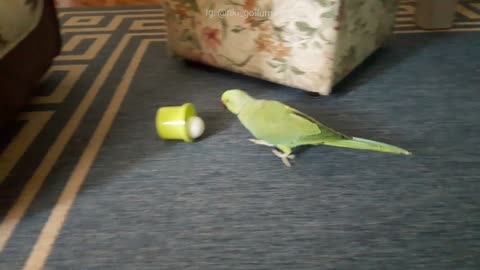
<point x="279" y="124"/>
<point x="326" y="133"/>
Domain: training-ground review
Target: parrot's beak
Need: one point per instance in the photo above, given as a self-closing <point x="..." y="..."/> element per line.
<point x="223" y="105"/>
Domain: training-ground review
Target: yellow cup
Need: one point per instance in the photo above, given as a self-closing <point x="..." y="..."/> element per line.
<point x="179" y="123"/>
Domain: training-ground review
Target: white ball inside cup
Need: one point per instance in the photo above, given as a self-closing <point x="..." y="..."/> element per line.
<point x="195" y="126"/>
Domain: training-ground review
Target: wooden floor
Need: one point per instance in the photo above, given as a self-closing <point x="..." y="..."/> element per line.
<point x="100" y="3"/>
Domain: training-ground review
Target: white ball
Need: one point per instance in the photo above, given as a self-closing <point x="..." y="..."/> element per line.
<point x="195" y="126"/>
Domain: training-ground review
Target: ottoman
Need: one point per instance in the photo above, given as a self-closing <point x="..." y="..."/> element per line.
<point x="306" y="44"/>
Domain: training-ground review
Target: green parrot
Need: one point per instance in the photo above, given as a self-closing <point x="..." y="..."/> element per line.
<point x="275" y="124"/>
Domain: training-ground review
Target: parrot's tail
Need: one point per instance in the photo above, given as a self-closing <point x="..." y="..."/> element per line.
<point x="364" y="144"/>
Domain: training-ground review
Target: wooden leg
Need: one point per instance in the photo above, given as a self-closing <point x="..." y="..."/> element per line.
<point x="435" y="14"/>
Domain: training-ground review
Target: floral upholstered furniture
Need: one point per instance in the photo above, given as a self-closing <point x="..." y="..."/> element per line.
<point x="29" y="40"/>
<point x="306" y="44"/>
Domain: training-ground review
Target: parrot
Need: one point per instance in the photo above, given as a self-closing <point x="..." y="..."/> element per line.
<point x="279" y="126"/>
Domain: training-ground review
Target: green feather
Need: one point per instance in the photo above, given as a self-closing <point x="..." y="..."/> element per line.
<point x="364" y="144"/>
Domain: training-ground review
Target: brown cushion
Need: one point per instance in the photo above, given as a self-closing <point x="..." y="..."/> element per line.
<point x="22" y="67"/>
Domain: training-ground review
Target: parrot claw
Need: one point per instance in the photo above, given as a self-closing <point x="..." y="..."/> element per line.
<point x="260" y="142"/>
<point x="284" y="157"/>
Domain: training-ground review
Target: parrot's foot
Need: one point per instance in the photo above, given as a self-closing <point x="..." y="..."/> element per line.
<point x="260" y="142"/>
<point x="284" y="156"/>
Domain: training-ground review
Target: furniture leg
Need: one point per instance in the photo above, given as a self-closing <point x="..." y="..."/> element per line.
<point x="435" y="14"/>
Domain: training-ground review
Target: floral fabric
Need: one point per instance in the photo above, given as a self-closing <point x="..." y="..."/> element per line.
<point x="17" y="19"/>
<point x="307" y="44"/>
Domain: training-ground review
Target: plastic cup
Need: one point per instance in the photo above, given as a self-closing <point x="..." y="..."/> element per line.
<point x="179" y="123"/>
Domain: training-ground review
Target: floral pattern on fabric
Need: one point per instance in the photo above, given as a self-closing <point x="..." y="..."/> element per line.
<point x="307" y="44"/>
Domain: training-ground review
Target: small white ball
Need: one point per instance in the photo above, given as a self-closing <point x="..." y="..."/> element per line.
<point x="195" y="126"/>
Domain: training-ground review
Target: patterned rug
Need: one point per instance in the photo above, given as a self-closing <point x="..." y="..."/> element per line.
<point x="87" y="184"/>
